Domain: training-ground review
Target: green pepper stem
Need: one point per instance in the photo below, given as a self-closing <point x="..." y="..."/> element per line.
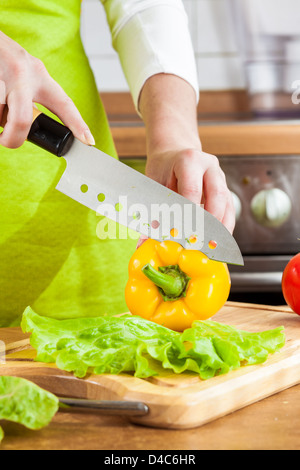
<point x="171" y="281"/>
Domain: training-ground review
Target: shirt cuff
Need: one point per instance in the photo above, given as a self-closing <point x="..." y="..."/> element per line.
<point x="154" y="40"/>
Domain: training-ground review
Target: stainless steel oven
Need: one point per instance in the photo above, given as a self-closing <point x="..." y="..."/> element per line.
<point x="266" y="191"/>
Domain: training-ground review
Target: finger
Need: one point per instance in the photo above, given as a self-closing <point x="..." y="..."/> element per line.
<point x="216" y="192"/>
<point x="53" y="97"/>
<point x="19" y="118"/>
<point x="189" y="174"/>
<point x="2" y="93"/>
<point x="229" y="218"/>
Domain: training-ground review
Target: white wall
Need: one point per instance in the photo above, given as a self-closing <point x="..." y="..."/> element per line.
<point x="218" y="61"/>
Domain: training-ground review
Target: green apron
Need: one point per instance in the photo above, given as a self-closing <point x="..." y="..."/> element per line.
<point x="50" y="255"/>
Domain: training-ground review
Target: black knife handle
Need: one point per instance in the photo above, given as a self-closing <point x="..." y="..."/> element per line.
<point x="47" y="133"/>
<point x="50" y="135"/>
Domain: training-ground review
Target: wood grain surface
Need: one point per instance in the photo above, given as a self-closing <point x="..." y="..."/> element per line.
<point x="220" y="139"/>
<point x="13" y="339"/>
<point x="270" y="424"/>
<point x="183" y="401"/>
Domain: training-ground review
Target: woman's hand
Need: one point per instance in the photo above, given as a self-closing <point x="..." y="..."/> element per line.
<point x="24" y="81"/>
<point x="174" y="151"/>
<point x="197" y="176"/>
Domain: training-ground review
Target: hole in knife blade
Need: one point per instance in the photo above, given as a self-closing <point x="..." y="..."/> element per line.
<point x="118" y="207"/>
<point x="212" y="244"/>
<point x="101" y="197"/>
<point x="155" y="224"/>
<point x="84" y="188"/>
<point x="137" y="215"/>
<point x="193" y="239"/>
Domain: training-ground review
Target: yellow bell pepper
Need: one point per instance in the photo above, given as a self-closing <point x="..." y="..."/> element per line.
<point x="173" y="286"/>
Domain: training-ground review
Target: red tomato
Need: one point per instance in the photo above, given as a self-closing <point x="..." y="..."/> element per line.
<point x="291" y="283"/>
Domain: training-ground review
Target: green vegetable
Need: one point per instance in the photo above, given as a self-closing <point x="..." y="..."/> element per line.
<point x="132" y="344"/>
<point x="222" y="347"/>
<point x="104" y="344"/>
<point x="24" y="402"/>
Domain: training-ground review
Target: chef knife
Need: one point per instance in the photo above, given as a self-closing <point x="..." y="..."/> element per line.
<point x="113" y="189"/>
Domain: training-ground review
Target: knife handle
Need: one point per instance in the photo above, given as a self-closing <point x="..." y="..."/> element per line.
<point x="108" y="407"/>
<point x="47" y="133"/>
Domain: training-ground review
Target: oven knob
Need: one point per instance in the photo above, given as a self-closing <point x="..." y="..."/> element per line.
<point x="237" y="205"/>
<point x="271" y="207"/>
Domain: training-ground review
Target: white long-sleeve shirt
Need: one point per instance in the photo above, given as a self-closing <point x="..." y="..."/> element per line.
<point x="151" y="37"/>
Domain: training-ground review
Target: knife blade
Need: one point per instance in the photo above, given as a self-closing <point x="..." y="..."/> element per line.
<point x="113" y="189"/>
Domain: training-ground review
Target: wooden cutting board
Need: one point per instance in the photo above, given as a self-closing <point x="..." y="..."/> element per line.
<point x="176" y="401"/>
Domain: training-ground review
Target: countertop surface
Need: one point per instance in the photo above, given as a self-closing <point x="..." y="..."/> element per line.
<point x="271" y="424"/>
<point x="226" y="124"/>
<point x="229" y="136"/>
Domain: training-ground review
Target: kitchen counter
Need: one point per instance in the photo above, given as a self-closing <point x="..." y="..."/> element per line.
<point x="226" y="127"/>
<point x="271" y="424"/>
<point x="241" y="137"/>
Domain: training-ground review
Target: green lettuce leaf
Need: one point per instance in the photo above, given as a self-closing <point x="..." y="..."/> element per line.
<point x="24" y="402"/>
<point x="103" y="344"/>
<point x="220" y="347"/>
<point x="132" y="344"/>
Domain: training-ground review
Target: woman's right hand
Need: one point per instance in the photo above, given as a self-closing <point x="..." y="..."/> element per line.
<point x="25" y="81"/>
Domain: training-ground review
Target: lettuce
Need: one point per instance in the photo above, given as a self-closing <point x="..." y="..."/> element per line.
<point x="132" y="344"/>
<point x="24" y="402"/>
<point x="219" y="347"/>
<point x="103" y="344"/>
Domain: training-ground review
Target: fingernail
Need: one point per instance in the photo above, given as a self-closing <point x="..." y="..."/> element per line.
<point x="88" y="138"/>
